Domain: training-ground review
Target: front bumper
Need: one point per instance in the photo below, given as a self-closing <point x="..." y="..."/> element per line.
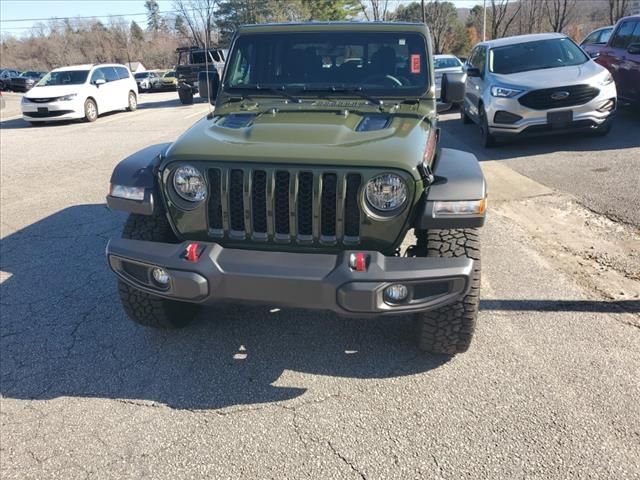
<point x="585" y="117"/>
<point x="315" y="281"/>
<point x="53" y="111"/>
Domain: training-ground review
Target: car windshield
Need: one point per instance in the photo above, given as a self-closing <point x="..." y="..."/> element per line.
<point x="141" y="75"/>
<point x="379" y="63"/>
<point x="446" y="62"/>
<point x="67" y="77"/>
<point x="542" y="54"/>
<point x="169" y="74"/>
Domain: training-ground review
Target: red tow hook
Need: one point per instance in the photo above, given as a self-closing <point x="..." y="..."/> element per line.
<point x="192" y="252"/>
<point x="358" y="262"/>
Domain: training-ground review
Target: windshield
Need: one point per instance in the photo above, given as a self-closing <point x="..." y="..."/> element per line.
<point x="447" y="62"/>
<point x="392" y="64"/>
<point x="524" y="57"/>
<point x="169" y="74"/>
<point x="68" y="77"/>
<point x="141" y="75"/>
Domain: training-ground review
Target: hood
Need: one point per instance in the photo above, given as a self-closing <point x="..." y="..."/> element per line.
<point x="304" y="134"/>
<point x="53" y="91"/>
<point x="552" y="77"/>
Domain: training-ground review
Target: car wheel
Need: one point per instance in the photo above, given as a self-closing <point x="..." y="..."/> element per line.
<point x="144" y="308"/>
<point x="448" y="330"/>
<point x="132" y="103"/>
<point x="463" y="115"/>
<point x="488" y="140"/>
<point x="186" y="96"/>
<point x="90" y="110"/>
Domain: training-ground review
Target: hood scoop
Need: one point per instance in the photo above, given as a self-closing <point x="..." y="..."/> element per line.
<point x="371" y="123"/>
<point x="236" y="120"/>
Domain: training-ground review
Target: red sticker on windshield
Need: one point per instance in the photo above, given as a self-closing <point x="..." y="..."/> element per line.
<point x="415" y="63"/>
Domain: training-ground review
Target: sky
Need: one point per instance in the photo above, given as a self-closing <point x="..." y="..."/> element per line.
<point x="30" y="12"/>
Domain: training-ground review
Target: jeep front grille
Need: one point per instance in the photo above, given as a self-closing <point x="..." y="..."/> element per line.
<point x="301" y="206"/>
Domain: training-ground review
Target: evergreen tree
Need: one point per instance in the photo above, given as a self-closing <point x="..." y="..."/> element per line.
<point x="137" y="34"/>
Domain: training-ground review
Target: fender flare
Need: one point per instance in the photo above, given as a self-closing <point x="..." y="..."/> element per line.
<point x="457" y="176"/>
<point x="138" y="170"/>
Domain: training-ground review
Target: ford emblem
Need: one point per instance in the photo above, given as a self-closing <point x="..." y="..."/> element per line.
<point x="561" y="95"/>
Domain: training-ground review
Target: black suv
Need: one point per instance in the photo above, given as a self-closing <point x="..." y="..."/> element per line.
<point x="193" y="68"/>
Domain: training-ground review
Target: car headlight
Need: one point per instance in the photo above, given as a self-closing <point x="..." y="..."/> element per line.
<point x="606" y="80"/>
<point x="68" y="98"/>
<point x="189" y="183"/>
<point x="505" y="92"/>
<point x="25" y="100"/>
<point x="386" y="192"/>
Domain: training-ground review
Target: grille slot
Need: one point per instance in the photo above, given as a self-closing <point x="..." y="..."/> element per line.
<point x="215" y="199"/>
<point x="281" y="203"/>
<point x="541" y="99"/>
<point x="259" y="201"/>
<point x="351" y="208"/>
<point x="268" y="204"/>
<point x="328" y="211"/>
<point x="236" y="203"/>
<point x="305" y="204"/>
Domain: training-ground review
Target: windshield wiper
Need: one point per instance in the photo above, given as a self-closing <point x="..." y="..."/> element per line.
<point x="354" y="90"/>
<point x="279" y="90"/>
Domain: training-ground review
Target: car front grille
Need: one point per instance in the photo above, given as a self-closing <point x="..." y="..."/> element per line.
<point x="557" y="97"/>
<point x="42" y="100"/>
<point x="284" y="205"/>
<point x="49" y="114"/>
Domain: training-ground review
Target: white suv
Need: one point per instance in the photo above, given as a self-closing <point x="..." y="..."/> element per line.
<point x="80" y="91"/>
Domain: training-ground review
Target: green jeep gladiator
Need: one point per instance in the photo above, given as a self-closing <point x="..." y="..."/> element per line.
<point x="298" y="190"/>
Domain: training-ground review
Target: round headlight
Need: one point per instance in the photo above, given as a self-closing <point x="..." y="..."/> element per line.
<point x="386" y="192"/>
<point x="189" y="183"/>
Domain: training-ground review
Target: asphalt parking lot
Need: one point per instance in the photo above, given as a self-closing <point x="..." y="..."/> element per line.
<point x="549" y="388"/>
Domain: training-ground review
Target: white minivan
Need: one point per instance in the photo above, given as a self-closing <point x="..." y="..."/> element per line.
<point x="80" y="91"/>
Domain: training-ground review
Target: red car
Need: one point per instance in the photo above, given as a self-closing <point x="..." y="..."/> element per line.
<point x="621" y="57"/>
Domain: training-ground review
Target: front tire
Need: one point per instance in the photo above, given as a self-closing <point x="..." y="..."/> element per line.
<point x="90" y="110"/>
<point x="132" y="102"/>
<point x="141" y="307"/>
<point x="185" y="95"/>
<point x="448" y="330"/>
<point x="488" y="140"/>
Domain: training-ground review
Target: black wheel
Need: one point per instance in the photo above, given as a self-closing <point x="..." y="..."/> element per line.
<point x="186" y="96"/>
<point x="488" y="140"/>
<point x="463" y="115"/>
<point x="90" y="110"/>
<point x="144" y="308"/>
<point x="449" y="329"/>
<point x="132" y="102"/>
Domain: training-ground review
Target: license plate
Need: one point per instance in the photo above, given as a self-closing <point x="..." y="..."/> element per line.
<point x="43" y="110"/>
<point x="560" y="119"/>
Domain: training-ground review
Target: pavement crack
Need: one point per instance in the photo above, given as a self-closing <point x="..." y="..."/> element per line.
<point x="346" y="461"/>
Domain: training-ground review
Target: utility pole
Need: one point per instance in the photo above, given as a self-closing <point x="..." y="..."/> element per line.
<point x="424" y="14"/>
<point x="484" y="20"/>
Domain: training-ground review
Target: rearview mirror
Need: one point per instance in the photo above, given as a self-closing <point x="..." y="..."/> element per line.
<point x="452" y="87"/>
<point x="100" y="81"/>
<point x="473" y="72"/>
<point x="634" y="48"/>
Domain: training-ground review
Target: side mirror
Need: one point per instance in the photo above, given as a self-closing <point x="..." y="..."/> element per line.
<point x="594" y="54"/>
<point x="634" y="49"/>
<point x="100" y="81"/>
<point x="473" y="72"/>
<point x="452" y="87"/>
<point x="209" y="89"/>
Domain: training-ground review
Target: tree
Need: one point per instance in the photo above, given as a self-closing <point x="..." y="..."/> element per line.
<point x="442" y="18"/>
<point x="618" y="9"/>
<point x="409" y="13"/>
<point x="155" y="22"/>
<point x="503" y="13"/>
<point x="475" y="19"/>
<point x="233" y="13"/>
<point x="329" y="10"/>
<point x="375" y="10"/>
<point x="199" y="16"/>
<point x="531" y="16"/>
<point x="136" y="32"/>
<point x="558" y="13"/>
<point x="180" y="27"/>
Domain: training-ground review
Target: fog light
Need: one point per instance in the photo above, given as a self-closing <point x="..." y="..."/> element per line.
<point x="160" y="276"/>
<point x="396" y="293"/>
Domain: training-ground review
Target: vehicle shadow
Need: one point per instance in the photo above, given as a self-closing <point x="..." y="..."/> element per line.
<point x="168" y="103"/>
<point x="467" y="137"/>
<point x="63" y="332"/>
